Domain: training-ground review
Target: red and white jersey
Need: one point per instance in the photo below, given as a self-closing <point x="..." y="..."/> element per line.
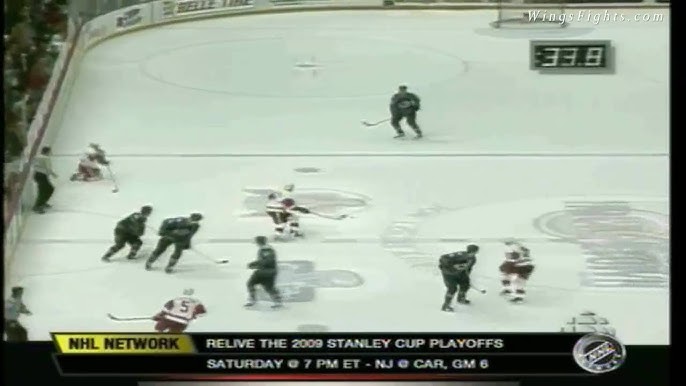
<point x="275" y="205"/>
<point x="518" y="254"/>
<point x="92" y="158"/>
<point x="183" y="309"/>
<point x="90" y="162"/>
<point x="288" y="204"/>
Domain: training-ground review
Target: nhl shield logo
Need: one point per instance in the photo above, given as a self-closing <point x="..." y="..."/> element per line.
<point x="328" y="201"/>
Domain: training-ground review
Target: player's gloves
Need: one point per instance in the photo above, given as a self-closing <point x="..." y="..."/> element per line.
<point x="301" y="209"/>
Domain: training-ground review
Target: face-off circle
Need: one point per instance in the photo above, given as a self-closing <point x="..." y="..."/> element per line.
<point x="599" y="353"/>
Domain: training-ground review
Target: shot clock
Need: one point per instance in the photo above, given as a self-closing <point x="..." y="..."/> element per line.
<point x="572" y="56"/>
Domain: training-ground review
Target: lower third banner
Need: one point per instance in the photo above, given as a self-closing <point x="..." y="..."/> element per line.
<point x="84" y="364"/>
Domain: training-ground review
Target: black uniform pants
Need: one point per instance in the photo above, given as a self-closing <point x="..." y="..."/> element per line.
<point x="409" y="116"/>
<point x="459" y="284"/>
<point x="45" y="189"/>
<point x="166" y="242"/>
<point x="121" y="238"/>
<point x="265" y="279"/>
<point x="15" y="331"/>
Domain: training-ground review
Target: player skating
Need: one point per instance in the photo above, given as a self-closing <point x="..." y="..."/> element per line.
<point x="405" y="105"/>
<point x="129" y="231"/>
<point x="264" y="274"/>
<point x="456" y="268"/>
<point x="177" y="313"/>
<point x="516" y="271"/>
<point x="177" y="231"/>
<point x="284" y="213"/>
<point x="90" y="164"/>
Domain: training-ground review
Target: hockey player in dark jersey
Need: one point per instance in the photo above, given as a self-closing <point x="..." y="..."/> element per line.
<point x="264" y="274"/>
<point x="456" y="268"/>
<point x="405" y="104"/>
<point x="177" y="231"/>
<point x="129" y="231"/>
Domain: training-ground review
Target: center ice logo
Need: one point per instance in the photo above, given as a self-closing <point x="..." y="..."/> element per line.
<point x="327" y="201"/>
<point x="298" y="281"/>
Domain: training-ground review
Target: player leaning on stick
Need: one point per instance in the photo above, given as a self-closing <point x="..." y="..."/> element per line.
<point x="456" y="268"/>
<point x="405" y="104"/>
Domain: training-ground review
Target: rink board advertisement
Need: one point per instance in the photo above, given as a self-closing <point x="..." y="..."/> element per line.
<point x="181" y="8"/>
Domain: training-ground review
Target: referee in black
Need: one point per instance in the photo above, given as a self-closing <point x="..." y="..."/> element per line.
<point x="41" y="174"/>
<point x="14" y="307"/>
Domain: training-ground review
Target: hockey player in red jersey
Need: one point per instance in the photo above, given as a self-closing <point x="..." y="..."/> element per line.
<point x="516" y="271"/>
<point x="283" y="211"/>
<point x="177" y="313"/>
<point x="90" y="163"/>
<point x="292" y="211"/>
<point x="276" y="212"/>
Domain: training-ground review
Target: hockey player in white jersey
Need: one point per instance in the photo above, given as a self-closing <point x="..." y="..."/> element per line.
<point x="283" y="211"/>
<point x="177" y="313"/>
<point x="90" y="164"/>
<point x="275" y="210"/>
<point x="516" y="271"/>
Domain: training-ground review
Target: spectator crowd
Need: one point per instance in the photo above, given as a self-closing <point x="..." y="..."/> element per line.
<point x="34" y="31"/>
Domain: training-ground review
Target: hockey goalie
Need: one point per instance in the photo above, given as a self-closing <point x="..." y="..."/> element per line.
<point x="178" y="313"/>
<point x="283" y="211"/>
<point x="516" y="271"/>
<point x="89" y="168"/>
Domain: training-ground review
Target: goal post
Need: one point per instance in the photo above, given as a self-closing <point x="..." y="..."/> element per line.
<point x="530" y="14"/>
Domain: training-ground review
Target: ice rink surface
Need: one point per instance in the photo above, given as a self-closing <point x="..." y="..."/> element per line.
<point x="208" y="116"/>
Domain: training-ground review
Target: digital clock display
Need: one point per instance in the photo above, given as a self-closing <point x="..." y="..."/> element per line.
<point x="572" y="56"/>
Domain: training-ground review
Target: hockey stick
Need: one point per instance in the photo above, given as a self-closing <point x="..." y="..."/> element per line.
<point x="204" y="256"/>
<point x="371" y="124"/>
<point x="339" y="217"/>
<point x="114" y="180"/>
<point x="118" y="319"/>
<point x="483" y="291"/>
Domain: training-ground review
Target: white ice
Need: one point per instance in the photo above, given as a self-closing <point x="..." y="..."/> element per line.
<point x="192" y="114"/>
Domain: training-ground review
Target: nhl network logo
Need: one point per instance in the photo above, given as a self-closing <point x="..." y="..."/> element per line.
<point x="599" y="353"/>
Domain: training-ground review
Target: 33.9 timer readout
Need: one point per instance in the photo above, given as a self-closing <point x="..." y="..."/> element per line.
<point x="571" y="56"/>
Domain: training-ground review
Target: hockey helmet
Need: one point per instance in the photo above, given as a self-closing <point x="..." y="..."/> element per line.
<point x="17" y="291"/>
<point x="188" y="291"/>
<point x="289" y="187"/>
<point x="196" y="217"/>
<point x="261" y="240"/>
<point x="147" y="209"/>
<point x="472" y="248"/>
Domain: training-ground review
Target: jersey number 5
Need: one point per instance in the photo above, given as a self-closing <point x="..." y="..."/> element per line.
<point x="184" y="306"/>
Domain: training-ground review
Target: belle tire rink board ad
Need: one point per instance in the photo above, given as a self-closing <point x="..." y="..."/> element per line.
<point x="179" y="8"/>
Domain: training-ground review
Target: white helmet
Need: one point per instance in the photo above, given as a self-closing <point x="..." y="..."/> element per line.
<point x="188" y="291"/>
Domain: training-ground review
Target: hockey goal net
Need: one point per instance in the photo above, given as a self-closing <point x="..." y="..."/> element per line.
<point x="530" y="13"/>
